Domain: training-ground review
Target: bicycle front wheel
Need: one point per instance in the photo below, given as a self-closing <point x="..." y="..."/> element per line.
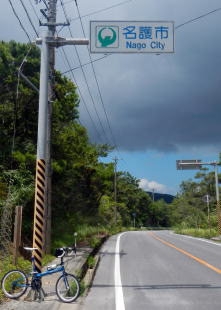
<point x="67" y="288"/>
<point x="14" y="284"/>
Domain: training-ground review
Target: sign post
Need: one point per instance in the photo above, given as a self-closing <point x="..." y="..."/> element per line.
<point x="207" y="199"/>
<point x="197" y="164"/>
<point x="131" y="37"/>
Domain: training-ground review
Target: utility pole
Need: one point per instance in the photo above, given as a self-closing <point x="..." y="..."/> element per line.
<point x="217" y="197"/>
<point x="48" y="41"/>
<point x="153" y="195"/>
<point x="52" y="30"/>
<point x="115" y="190"/>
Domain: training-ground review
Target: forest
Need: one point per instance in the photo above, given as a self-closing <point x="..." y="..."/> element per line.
<point x="82" y="185"/>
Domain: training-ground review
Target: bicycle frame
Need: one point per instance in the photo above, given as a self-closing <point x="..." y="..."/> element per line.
<point x="45" y="273"/>
<point x="48" y="272"/>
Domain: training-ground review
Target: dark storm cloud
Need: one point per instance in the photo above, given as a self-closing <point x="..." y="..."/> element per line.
<point x="170" y="101"/>
<point x="153" y="102"/>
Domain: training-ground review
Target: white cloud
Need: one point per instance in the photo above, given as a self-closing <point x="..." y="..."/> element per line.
<point x="153" y="185"/>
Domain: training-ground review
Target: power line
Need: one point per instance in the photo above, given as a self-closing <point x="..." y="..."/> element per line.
<point x="95" y="76"/>
<point x="89" y="91"/>
<point x="196" y="18"/>
<point x="30" y="1"/>
<point x="99" y="11"/>
<point x="16" y="15"/>
<point x="82" y="98"/>
<point x="29" y="18"/>
<point x="87" y="63"/>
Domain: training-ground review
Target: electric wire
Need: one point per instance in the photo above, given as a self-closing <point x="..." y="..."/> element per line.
<point x="99" y="11"/>
<point x="196" y="18"/>
<point x="6" y="220"/>
<point x="29" y="18"/>
<point x="45" y="3"/>
<point x="95" y="76"/>
<point x="85" y="78"/>
<point x="30" y="1"/>
<point x="82" y="98"/>
<point x="16" y="15"/>
<point x="87" y="63"/>
<point x="20" y="70"/>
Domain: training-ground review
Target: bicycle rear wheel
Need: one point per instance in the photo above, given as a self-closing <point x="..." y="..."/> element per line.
<point x="67" y="288"/>
<point x="14" y="284"/>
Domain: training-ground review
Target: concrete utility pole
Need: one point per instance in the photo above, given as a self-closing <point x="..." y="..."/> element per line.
<point x="153" y="195"/>
<point x="47" y="227"/>
<point x="48" y="41"/>
<point x="217" y="197"/>
<point x="115" y="190"/>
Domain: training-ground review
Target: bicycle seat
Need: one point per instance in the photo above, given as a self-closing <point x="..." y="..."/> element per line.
<point x="30" y="249"/>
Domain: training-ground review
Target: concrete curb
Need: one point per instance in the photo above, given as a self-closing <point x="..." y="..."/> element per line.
<point x="89" y="276"/>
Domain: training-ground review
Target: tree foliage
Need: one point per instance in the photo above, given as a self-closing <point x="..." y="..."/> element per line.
<point x="82" y="185"/>
<point x="190" y="208"/>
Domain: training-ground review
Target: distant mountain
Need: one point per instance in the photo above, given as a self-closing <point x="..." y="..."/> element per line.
<point x="166" y="197"/>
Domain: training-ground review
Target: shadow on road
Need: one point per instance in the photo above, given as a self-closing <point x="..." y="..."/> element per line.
<point x="105" y="253"/>
<point x="163" y="287"/>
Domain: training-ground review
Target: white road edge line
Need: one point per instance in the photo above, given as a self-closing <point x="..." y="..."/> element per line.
<point x="195" y="238"/>
<point x="119" y="297"/>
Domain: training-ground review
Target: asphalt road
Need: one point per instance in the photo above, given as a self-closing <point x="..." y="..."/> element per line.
<point x="157" y="271"/>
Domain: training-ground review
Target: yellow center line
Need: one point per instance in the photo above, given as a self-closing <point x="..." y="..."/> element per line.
<point x="203" y="262"/>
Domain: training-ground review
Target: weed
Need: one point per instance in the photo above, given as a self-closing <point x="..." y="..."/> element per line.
<point x="91" y="261"/>
<point x="83" y="288"/>
<point x="200" y="233"/>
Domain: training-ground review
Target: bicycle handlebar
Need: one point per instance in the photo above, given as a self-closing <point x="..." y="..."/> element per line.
<point x="61" y="252"/>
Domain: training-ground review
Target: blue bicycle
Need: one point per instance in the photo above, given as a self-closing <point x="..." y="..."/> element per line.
<point x="15" y="282"/>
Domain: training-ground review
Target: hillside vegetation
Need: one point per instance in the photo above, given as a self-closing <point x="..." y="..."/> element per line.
<point x="82" y="185"/>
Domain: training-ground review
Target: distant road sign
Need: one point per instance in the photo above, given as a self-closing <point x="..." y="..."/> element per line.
<point x="131" y="37"/>
<point x="189" y="164"/>
<point x="206" y="198"/>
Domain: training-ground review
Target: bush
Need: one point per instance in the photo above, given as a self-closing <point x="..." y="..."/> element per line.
<point x="200" y="233"/>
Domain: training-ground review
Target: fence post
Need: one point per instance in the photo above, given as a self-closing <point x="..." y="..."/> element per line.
<point x="17" y="233"/>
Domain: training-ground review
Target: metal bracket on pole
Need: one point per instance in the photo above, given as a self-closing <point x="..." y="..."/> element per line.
<point x="54" y="24"/>
<point x="60" y="41"/>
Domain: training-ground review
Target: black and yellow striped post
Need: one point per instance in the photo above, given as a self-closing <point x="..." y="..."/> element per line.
<point x="40" y="181"/>
<point x="39" y="214"/>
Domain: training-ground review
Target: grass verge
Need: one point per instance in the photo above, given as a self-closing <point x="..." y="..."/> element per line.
<point x="200" y="233"/>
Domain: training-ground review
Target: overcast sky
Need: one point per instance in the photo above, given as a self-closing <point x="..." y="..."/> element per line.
<point x="159" y="106"/>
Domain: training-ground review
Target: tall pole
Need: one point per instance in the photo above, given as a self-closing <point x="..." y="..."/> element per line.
<point x="39" y="208"/>
<point x="217" y="198"/>
<point x="51" y="30"/>
<point x="115" y="190"/>
<point x="208" y="211"/>
<point x="48" y="42"/>
<point x="153" y="195"/>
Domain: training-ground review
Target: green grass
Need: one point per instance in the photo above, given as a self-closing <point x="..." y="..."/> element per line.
<point x="6" y="265"/>
<point x="91" y="261"/>
<point x="201" y="233"/>
<point x="24" y="265"/>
